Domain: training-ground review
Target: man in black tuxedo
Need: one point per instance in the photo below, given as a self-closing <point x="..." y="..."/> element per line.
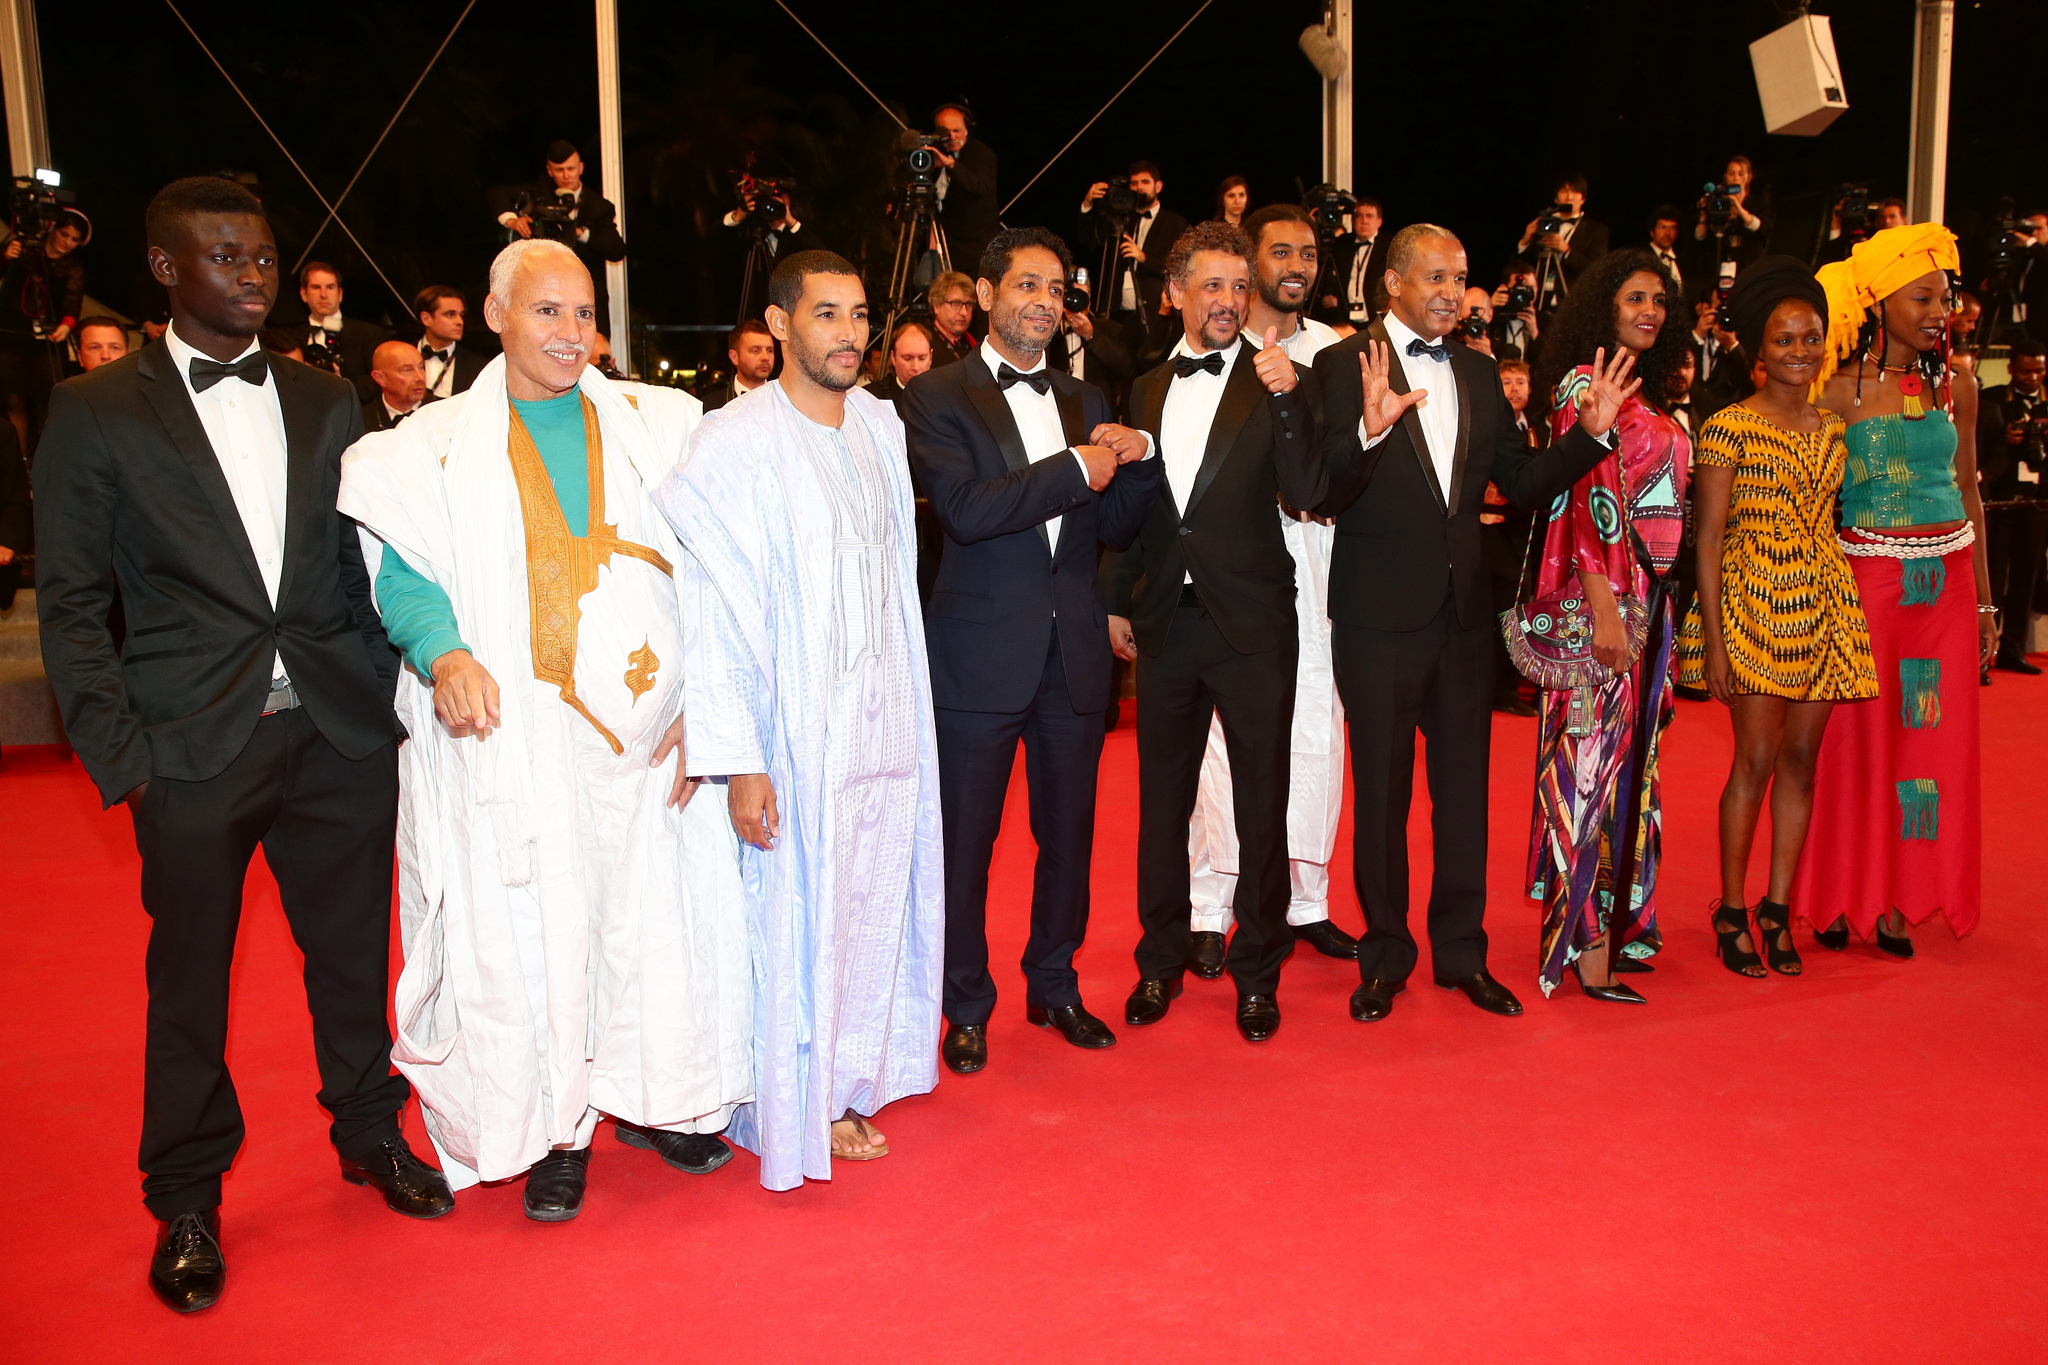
<point x="1022" y="465"/>
<point x="347" y="342"/>
<point x="1206" y="594"/>
<point x="1359" y="259"/>
<point x="252" y="704"/>
<point x="585" y="221"/>
<point x="1411" y="600"/>
<point x="1131" y="269"/>
<point x="969" y="205"/>
<point x="448" y="366"/>
<point x="2011" y="458"/>
<point x="1578" y="242"/>
<point x="400" y="375"/>
<point x="750" y="349"/>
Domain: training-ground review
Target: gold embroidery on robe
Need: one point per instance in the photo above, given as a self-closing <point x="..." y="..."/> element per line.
<point x="561" y="568"/>
<point x="640" y="677"/>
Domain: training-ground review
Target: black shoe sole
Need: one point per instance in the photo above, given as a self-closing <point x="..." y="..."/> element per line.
<point x="633" y="1139"/>
<point x="553" y="1215"/>
<point x="364" y="1180"/>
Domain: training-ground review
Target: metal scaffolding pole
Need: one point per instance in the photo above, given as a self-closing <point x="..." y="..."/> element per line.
<point x="21" y="70"/>
<point x="1337" y="99"/>
<point x="1927" y="163"/>
<point x="612" y="172"/>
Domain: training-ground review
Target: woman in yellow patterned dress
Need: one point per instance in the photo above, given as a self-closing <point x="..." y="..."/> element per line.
<point x="1778" y="635"/>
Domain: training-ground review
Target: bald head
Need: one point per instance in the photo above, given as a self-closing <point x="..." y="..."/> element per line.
<point x="543" y="306"/>
<point x="398" y="371"/>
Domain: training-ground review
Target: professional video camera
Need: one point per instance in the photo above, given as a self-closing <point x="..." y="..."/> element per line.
<point x="763" y="199"/>
<point x="1554" y="220"/>
<point x="552" y="217"/>
<point x="36" y="204"/>
<point x="1858" y="211"/>
<point x="2007" y="250"/>
<point x="921" y="157"/>
<point x="1717" y="202"/>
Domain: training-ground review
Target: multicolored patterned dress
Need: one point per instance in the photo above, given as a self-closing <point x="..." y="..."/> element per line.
<point x="1597" y="801"/>
<point x="1896" y="794"/>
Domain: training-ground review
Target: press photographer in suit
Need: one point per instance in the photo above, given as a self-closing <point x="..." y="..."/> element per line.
<point x="1411" y="599"/>
<point x="1578" y="240"/>
<point x="251" y="705"/>
<point x="344" y="344"/>
<point x="1153" y="229"/>
<point x="1207" y="596"/>
<point x="1027" y="474"/>
<point x="969" y="205"/>
<point x="559" y="206"/>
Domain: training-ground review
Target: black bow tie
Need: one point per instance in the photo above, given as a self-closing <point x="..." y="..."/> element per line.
<point x="1185" y="365"/>
<point x="1040" y="380"/>
<point x="429" y="353"/>
<point x="398" y="417"/>
<point x="250" y="369"/>
<point x="1417" y="346"/>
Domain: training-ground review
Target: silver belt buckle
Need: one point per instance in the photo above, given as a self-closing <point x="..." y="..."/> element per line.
<point x="284" y="698"/>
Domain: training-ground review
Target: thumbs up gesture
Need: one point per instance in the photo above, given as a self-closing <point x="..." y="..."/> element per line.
<point x="1275" y="370"/>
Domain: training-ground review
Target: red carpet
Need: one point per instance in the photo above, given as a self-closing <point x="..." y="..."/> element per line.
<point x="1848" y="1167"/>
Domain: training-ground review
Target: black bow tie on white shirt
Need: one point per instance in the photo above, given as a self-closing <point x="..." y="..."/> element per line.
<point x="1039" y="380"/>
<point x="1185" y="365"/>
<point x="429" y="353"/>
<point x="1417" y="346"/>
<point x="250" y="369"/>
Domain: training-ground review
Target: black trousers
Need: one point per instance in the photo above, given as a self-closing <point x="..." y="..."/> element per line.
<point x="1197" y="673"/>
<point x="1062" y="753"/>
<point x="326" y="825"/>
<point x="2019" y="538"/>
<point x="1438" y="680"/>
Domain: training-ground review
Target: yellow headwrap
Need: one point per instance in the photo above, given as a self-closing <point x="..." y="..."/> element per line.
<point x="1876" y="269"/>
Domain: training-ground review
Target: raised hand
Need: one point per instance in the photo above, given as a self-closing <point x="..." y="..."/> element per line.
<point x="1383" y="407"/>
<point x="1602" y="401"/>
<point x="1274" y="369"/>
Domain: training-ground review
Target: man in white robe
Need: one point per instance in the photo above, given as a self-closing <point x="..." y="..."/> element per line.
<point x="574" y="940"/>
<point x="810" y="697"/>
<point x="1283" y="275"/>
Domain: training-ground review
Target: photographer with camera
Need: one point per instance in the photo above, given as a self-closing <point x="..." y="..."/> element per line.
<point x="767" y="227"/>
<point x="968" y="202"/>
<point x="559" y="207"/>
<point x="1475" y="322"/>
<point x="2012" y="455"/>
<point x="1565" y="241"/>
<point x="1731" y="222"/>
<point x="342" y="346"/>
<point x="40" y="296"/>
<point x="1516" y="331"/>
<point x="1124" y="225"/>
<point x="1357" y="259"/>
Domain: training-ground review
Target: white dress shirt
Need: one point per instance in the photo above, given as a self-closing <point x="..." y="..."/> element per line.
<point x="1038" y="422"/>
<point x="1670" y="262"/>
<point x="440" y="372"/>
<point x="245" y="426"/>
<point x="1438" y="412"/>
<point x="1185" y="420"/>
<point x="1128" y="301"/>
<point x="1358" y="289"/>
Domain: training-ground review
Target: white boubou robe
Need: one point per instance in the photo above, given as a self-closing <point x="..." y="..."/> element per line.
<point x="805" y="652"/>
<point x="1315" y="789"/>
<point x="573" y="944"/>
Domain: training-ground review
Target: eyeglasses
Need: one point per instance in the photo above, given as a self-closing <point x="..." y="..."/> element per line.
<point x="954" y="303"/>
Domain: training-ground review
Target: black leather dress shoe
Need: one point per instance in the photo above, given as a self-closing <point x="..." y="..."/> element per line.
<point x="554" y="1187"/>
<point x="1205" y="953"/>
<point x="2010" y="662"/>
<point x="1074" y="1023"/>
<point x="1258" y="1017"/>
<point x="1327" y="939"/>
<point x="409" y="1186"/>
<point x="965" y="1049"/>
<point x="1149" y="1000"/>
<point x="1483" y="991"/>
<point x="186" y="1269"/>
<point x="696" y="1153"/>
<point x="1374" y="999"/>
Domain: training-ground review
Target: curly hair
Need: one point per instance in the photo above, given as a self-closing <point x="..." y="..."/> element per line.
<point x="1586" y="324"/>
<point x="1209" y="236"/>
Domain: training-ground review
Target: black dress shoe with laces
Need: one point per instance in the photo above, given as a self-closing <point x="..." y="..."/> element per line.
<point x="1074" y="1023"/>
<point x="1327" y="939"/>
<point x="1205" y="953"/>
<point x="186" y="1269"/>
<point x="1374" y="999"/>
<point x="1483" y="991"/>
<point x="409" y="1186"/>
<point x="1258" y="1017"/>
<point x="696" y="1153"/>
<point x="1149" y="1000"/>
<point x="2010" y="661"/>
<point x="965" y="1049"/>
<point x="554" y="1187"/>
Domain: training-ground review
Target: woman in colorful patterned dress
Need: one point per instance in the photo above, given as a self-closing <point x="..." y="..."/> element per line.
<point x="1895" y="834"/>
<point x="1597" y="821"/>
<point x="1777" y="636"/>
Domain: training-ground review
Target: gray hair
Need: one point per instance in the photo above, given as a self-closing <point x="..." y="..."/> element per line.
<point x="1401" y="251"/>
<point x="505" y="267"/>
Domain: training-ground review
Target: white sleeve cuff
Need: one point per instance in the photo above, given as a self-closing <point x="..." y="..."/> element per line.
<point x="1369" y="441"/>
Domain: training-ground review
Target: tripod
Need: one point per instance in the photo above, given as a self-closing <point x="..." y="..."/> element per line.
<point x="1552" y="288"/>
<point x="917" y="224"/>
<point x="759" y="263"/>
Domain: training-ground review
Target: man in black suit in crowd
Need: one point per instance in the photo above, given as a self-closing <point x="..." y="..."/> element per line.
<point x="750" y="348"/>
<point x="1132" y="271"/>
<point x="2012" y="456"/>
<point x="969" y="205"/>
<point x="1206" y="594"/>
<point x="1720" y="366"/>
<point x="400" y="375"/>
<point x="1411" y="600"/>
<point x="449" y="367"/>
<point x="1578" y="242"/>
<point x="1027" y="474"/>
<point x="348" y="341"/>
<point x="1360" y="260"/>
<point x="252" y="704"/>
<point x="587" y="223"/>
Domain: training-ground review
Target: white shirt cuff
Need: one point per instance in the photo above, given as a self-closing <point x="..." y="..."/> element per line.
<point x="1605" y="438"/>
<point x="507" y="218"/>
<point x="1370" y="441"/>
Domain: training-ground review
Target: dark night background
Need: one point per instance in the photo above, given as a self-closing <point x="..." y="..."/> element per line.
<point x="1463" y="107"/>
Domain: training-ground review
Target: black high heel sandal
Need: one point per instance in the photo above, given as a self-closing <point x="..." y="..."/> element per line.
<point x="1834" y="938"/>
<point x="1900" y="947"/>
<point x="1727" y="938"/>
<point x="1617" y="993"/>
<point x="1784" y="961"/>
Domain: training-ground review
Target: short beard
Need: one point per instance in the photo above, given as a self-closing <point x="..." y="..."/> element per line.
<point x="1271" y="297"/>
<point x="1211" y="342"/>
<point x="818" y="372"/>
<point x="1010" y="327"/>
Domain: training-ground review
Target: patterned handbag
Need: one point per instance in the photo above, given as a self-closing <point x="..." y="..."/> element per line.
<point x="1550" y="638"/>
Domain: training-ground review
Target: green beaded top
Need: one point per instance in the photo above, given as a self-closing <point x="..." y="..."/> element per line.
<point x="1901" y="472"/>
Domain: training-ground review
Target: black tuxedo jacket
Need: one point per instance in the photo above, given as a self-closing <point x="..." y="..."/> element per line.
<point x="373" y="413"/>
<point x="1261" y="448"/>
<point x="1337" y="283"/>
<point x="128" y="490"/>
<point x="1998" y="464"/>
<point x="1588" y="244"/>
<point x="1001" y="587"/>
<point x="1167" y="226"/>
<point x="468" y="365"/>
<point x="1398" y="532"/>
<point x="970" y="214"/>
<point x="354" y="346"/>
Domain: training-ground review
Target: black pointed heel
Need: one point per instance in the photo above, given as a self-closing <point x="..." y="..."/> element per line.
<point x="1834" y="938"/>
<point x="1617" y="993"/>
<point x="1900" y="946"/>
<point x="1784" y="961"/>
<point x="1727" y="937"/>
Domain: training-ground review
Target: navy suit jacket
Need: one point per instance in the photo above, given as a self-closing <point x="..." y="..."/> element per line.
<point x="1001" y="588"/>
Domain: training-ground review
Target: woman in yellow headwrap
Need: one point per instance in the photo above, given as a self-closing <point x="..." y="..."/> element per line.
<point x="1896" y="805"/>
